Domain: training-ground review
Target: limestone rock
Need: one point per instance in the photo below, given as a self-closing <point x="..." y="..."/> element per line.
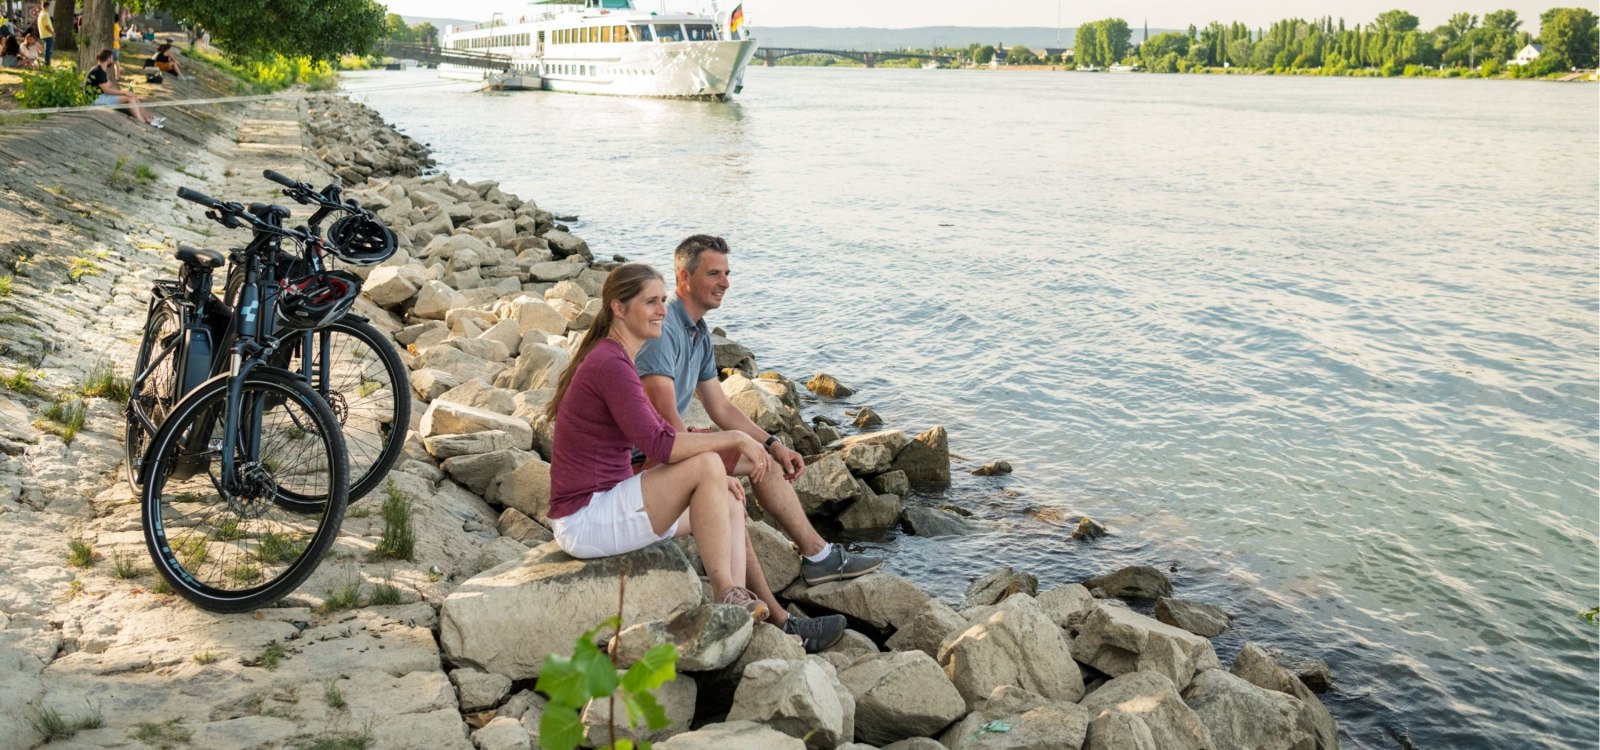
<point x="1256" y="666"/>
<point x="506" y="333"/>
<point x="1068" y="605"/>
<point x="556" y="270"/>
<point x="526" y="489"/>
<point x="1015" y="644"/>
<point x="1134" y="581"/>
<point x="708" y="636"/>
<point x="479" y="690"/>
<point x="780" y="562"/>
<point x="434" y="299"/>
<point x="1239" y="714"/>
<point x="998" y="584"/>
<point x="445" y="418"/>
<point x="799" y="698"/>
<point x="460" y="364"/>
<point x="1088" y="529"/>
<point x="502" y="733"/>
<point x="430" y="384"/>
<point x="390" y="286"/>
<point x="478" y="393"/>
<point x="476" y="471"/>
<point x="882" y="600"/>
<point x="824" y="384"/>
<point x="564" y="244"/>
<point x="891" y="483"/>
<point x="900" y="695"/>
<point x="677" y="698"/>
<point x="1312" y="671"/>
<point x="569" y="291"/>
<point x="926" y="459"/>
<point x="445" y="447"/>
<point x="535" y="315"/>
<point x="508" y="619"/>
<point x="991" y="469"/>
<point x="515" y="524"/>
<point x="487" y="350"/>
<point x="922" y="521"/>
<point x="1030" y="722"/>
<point x="1142" y="710"/>
<point x="730" y="355"/>
<point x="1117" y="641"/>
<point x="872" y="511"/>
<point x="824" y="485"/>
<point x="928" y="629"/>
<point x="867" y="458"/>
<point x="1204" y="620"/>
<point x="763" y="408"/>
<point x="866" y="418"/>
<point x="732" y="735"/>
<point x="538" y="366"/>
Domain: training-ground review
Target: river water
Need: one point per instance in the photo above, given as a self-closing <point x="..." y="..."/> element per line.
<point x="1328" y="347"/>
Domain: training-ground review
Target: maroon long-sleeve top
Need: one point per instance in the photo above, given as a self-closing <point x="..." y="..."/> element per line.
<point x="603" y="416"/>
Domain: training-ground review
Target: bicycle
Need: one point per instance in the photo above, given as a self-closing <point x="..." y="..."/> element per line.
<point x="245" y="480"/>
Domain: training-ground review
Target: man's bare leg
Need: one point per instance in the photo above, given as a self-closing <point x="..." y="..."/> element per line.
<point x="777" y="497"/>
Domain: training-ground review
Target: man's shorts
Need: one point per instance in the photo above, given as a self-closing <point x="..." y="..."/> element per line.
<point x="612" y="523"/>
<point x="730" y="458"/>
<point x="107" y="100"/>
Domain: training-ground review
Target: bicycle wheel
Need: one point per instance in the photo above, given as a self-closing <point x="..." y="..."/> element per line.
<point x="234" y="551"/>
<point x="358" y="372"/>
<point x="155" y="395"/>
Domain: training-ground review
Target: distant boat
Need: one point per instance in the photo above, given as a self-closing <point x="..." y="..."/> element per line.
<point x="1088" y="69"/>
<point x="931" y="65"/>
<point x="1123" y="68"/>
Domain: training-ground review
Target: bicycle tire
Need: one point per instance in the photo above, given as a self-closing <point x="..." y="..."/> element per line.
<point x="239" y="552"/>
<point x="155" y="397"/>
<point x="369" y="390"/>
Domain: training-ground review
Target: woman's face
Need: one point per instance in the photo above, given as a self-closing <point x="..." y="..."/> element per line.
<point x="641" y="316"/>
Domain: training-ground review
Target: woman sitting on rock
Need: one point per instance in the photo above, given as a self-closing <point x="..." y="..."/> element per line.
<point x="598" y="506"/>
<point x="166" y="60"/>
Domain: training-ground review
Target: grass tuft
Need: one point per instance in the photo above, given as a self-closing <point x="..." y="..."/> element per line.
<point x="344" y="597"/>
<point x="8" y="284"/>
<point x="25" y="382"/>
<point x="80" y="553"/>
<point x="163" y="736"/>
<point x="205" y="657"/>
<point x="332" y="695"/>
<point x="50" y="723"/>
<point x="122" y="566"/>
<point x="272" y="655"/>
<point x="144" y="174"/>
<point x="102" y="382"/>
<point x="385" y="594"/>
<point x="64" y="418"/>
<point x="399" y="539"/>
<point x="81" y="267"/>
<point x="277" y="548"/>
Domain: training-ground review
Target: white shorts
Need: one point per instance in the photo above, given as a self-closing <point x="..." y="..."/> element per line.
<point x="612" y="523"/>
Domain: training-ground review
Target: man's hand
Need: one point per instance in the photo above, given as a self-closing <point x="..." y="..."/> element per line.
<point x="787" y="460"/>
<point x="754" y="453"/>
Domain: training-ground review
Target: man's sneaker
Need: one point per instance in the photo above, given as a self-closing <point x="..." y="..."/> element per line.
<point x="837" y="566"/>
<point x="740" y="596"/>
<point x="816" y="633"/>
<point x="158" y="122"/>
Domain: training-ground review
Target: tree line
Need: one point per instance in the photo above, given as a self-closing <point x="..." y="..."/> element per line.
<point x="1392" y="43"/>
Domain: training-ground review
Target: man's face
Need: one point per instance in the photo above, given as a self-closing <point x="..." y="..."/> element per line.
<point x="705" y="286"/>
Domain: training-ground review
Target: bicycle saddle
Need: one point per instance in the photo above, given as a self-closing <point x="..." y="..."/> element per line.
<point x="271" y="213"/>
<point x="195" y="256"/>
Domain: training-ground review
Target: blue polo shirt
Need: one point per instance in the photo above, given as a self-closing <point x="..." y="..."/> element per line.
<point x="683" y="353"/>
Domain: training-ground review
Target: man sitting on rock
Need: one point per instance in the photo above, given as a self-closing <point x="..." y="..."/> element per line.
<point x="679" y="365"/>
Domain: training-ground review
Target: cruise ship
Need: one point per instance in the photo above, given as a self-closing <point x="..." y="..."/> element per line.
<point x="611" y="47"/>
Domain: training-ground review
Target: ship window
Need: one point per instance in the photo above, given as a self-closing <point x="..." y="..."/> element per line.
<point x="617" y="4"/>
<point x="669" y="32"/>
<point x="605" y="33"/>
<point x="588" y="34"/>
<point x="642" y="34"/>
<point x="699" y="32"/>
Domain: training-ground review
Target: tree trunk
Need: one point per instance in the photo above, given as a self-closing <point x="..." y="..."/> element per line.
<point x="98" y="15"/>
<point x="65" y="10"/>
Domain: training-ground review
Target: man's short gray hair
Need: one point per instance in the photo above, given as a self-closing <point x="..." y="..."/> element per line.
<point x="687" y="256"/>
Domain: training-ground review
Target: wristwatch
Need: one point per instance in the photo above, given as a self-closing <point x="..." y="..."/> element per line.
<point x="770" y="440"/>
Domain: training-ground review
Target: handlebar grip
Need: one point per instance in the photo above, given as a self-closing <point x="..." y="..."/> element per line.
<point x="198" y="197"/>
<point x="280" y="179"/>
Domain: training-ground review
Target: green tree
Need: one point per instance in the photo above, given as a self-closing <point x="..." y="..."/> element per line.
<point x="319" y="29"/>
<point x="1571" y="38"/>
<point x="1161" y="52"/>
<point x="1020" y="55"/>
<point x="984" y="55"/>
<point x="1396" y="21"/>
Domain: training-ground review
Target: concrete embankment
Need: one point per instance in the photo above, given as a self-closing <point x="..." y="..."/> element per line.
<point x="486" y="298"/>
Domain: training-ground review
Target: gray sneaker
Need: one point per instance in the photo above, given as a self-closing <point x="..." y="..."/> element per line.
<point x="816" y="633"/>
<point x="838" y="566"/>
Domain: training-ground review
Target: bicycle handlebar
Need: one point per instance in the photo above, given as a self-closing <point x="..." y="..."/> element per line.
<point x="199" y="197"/>
<point x="235" y="215"/>
<point x="305" y="195"/>
<point x="280" y="179"/>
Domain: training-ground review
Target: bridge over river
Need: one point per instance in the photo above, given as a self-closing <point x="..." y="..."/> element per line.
<point x="771" y="55"/>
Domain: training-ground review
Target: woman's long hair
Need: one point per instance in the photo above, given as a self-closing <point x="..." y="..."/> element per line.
<point x="624" y="283"/>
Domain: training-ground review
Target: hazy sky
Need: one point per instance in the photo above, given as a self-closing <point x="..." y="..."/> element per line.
<point x="909" y="13"/>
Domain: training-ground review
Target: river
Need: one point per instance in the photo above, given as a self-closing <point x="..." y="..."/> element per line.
<point x="1328" y="347"/>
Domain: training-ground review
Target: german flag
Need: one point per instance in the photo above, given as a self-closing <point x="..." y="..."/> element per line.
<point x="735" y="21"/>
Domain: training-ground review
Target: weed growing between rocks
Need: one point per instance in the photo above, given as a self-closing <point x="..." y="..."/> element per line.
<point x="82" y="267"/>
<point x="161" y="587"/>
<point x="399" y="539"/>
<point x="80" y="553"/>
<point x="54" y="726"/>
<point x="64" y="418"/>
<point x="122" y="566"/>
<point x="8" y="284"/>
<point x="344" y="597"/>
<point x="385" y="594"/>
<point x="25" y="382"/>
<point x="332" y="696"/>
<point x="205" y="657"/>
<point x="102" y="382"/>
<point x="270" y="657"/>
<point x="349" y="741"/>
<point x="163" y="736"/>
<point x="74" y="589"/>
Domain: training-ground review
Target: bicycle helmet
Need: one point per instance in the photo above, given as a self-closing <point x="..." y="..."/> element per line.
<point x="361" y="241"/>
<point x="317" y="300"/>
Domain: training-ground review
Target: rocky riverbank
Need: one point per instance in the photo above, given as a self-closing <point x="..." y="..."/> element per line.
<point x="486" y="299"/>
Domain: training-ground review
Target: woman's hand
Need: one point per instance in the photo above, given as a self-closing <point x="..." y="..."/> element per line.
<point x="753" y="453"/>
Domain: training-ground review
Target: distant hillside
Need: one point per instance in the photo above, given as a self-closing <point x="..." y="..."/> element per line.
<point x="922" y="38"/>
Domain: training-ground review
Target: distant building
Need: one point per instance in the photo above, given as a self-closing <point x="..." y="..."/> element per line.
<point x="999" y="58"/>
<point x="1528" y="54"/>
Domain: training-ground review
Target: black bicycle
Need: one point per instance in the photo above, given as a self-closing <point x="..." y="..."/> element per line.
<point x="242" y="466"/>
<point x="353" y="365"/>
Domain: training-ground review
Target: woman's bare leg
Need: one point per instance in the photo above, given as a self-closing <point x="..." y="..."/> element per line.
<point x="699" y="484"/>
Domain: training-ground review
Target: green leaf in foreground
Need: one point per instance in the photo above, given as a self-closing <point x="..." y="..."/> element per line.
<point x="560" y="728"/>
<point x="561" y="680"/>
<point x="658" y="666"/>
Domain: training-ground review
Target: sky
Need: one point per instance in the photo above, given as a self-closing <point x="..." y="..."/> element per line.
<point x="913" y="13"/>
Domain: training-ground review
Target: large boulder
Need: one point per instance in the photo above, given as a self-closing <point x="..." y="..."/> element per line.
<point x="871" y="512"/>
<point x="507" y="619"/>
<point x="799" y="698"/>
<point x="478" y="393"/>
<point x="1068" y="605"/>
<point x="866" y="459"/>
<point x="392" y="286"/>
<point x="552" y="271"/>
<point x="460" y="364"/>
<point x="1205" y="620"/>
<point x="928" y="629"/>
<point x="538" y="366"/>
<point x="445" y="418"/>
<point x="1014" y="643"/>
<point x="1119" y="641"/>
<point x="780" y="562"/>
<point x="730" y="355"/>
<point x="476" y="471"/>
<point x="922" y="521"/>
<point x="1134" y="581"/>
<point x="926" y="459"/>
<point x="1143" y="710"/>
<point x="487" y="350"/>
<point x="563" y="244"/>
<point x="881" y="600"/>
<point x="825" y="485"/>
<point x="532" y="314"/>
<point x="900" y="695"/>
<point x="445" y="447"/>
<point x="1239" y="714"/>
<point x="1016" y="719"/>
<point x="676" y="697"/>
<point x="1256" y="666"/>
<point x="996" y="585"/>
<point x="436" y="298"/>
<point x="527" y="489"/>
<point x="826" y="385"/>
<point x="707" y="637"/>
<point x="732" y="735"/>
<point x="762" y="407"/>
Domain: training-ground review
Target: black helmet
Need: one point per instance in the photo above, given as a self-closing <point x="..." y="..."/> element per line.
<point x="361" y="241"/>
<point x="316" y="300"/>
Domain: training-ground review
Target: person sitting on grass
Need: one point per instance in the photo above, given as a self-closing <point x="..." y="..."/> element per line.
<point x="32" y="50"/>
<point x="598" y="506"/>
<point x="98" y="82"/>
<point x="10" y="51"/>
<point x="167" y="61"/>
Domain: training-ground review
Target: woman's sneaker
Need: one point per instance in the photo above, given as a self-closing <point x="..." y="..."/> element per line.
<point x="816" y="633"/>
<point x="838" y="566"/>
<point x="740" y="596"/>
